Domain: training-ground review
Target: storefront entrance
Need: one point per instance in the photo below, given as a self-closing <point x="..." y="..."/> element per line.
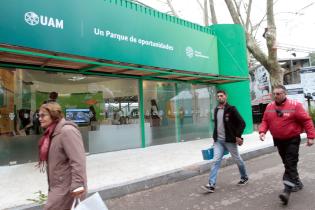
<point x="106" y="109"/>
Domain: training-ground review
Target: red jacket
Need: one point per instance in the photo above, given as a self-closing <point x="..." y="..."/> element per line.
<point x="287" y="120"/>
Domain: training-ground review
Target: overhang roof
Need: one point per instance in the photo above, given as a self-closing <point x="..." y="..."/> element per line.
<point x="27" y="58"/>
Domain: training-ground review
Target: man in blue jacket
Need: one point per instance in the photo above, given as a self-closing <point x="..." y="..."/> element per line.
<point x="228" y="129"/>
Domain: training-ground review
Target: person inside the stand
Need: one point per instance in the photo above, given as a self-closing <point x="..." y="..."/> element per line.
<point x="25" y="122"/>
<point x="155" y="118"/>
<point x="53" y="96"/>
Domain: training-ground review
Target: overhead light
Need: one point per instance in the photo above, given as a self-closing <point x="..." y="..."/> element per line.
<point x="64" y="94"/>
<point x="76" y="78"/>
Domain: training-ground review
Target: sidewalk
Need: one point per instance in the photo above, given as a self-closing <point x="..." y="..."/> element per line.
<point x="122" y="172"/>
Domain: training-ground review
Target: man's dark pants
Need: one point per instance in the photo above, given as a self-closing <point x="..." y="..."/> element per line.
<point x="289" y="152"/>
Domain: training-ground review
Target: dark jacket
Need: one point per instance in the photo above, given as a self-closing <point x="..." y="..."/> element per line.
<point x="233" y="123"/>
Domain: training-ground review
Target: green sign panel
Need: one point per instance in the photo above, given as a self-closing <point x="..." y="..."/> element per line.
<point x="106" y="30"/>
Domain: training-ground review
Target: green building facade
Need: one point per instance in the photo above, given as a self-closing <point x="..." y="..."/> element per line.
<point x="129" y="76"/>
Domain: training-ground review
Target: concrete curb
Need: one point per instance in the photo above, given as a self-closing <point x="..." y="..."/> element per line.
<point x="163" y="178"/>
<point x="174" y="176"/>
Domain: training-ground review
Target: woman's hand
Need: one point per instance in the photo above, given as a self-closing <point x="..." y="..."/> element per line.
<point x="78" y="192"/>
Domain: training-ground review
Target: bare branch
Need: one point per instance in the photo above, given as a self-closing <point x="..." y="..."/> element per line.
<point x="212" y="12"/>
<point x="205" y="12"/>
<point x="233" y="12"/>
<point x="256" y="51"/>
<point x="200" y="5"/>
<point x="238" y="6"/>
<point x="249" y="9"/>
<point x="169" y="3"/>
<point x="140" y="3"/>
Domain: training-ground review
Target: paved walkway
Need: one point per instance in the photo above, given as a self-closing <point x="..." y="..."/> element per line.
<point x="261" y="193"/>
<point x="115" y="169"/>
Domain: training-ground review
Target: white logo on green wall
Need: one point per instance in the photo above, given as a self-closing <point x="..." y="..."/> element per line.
<point x="33" y="19"/>
<point x="189" y="52"/>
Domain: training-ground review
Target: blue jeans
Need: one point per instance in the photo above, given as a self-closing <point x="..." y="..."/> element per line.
<point x="219" y="147"/>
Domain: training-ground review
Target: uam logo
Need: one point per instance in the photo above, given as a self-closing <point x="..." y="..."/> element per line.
<point x="34" y="19"/>
<point x="189" y="52"/>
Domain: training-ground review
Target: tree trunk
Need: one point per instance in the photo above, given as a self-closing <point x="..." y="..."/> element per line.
<point x="276" y="76"/>
<point x="275" y="70"/>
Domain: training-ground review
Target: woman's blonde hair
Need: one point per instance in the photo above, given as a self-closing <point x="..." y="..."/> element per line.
<point x="54" y="110"/>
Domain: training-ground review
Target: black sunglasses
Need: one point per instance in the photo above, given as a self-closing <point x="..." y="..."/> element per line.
<point x="279" y="113"/>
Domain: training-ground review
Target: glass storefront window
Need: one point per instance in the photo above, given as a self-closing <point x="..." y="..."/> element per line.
<point x="105" y="109"/>
<point x="194" y="104"/>
<point x="160" y="127"/>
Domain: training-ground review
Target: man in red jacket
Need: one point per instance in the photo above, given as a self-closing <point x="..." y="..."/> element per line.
<point x="286" y="119"/>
